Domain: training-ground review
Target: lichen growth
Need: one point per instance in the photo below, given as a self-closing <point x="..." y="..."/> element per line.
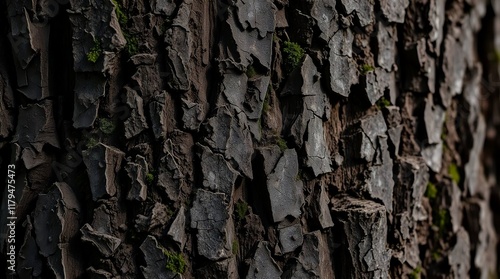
<point x="383" y="102"/>
<point x="282" y="144"/>
<point x="132" y="46"/>
<point x="241" y="209"/>
<point x="431" y="191"/>
<point x="366" y="68"/>
<point x="235" y="247"/>
<point x="91" y="142"/>
<point x="251" y="72"/>
<point x="454" y="173"/>
<point x="122" y="17"/>
<point x="415" y="274"/>
<point x="150" y="178"/>
<point x="175" y="262"/>
<point x="299" y="175"/>
<point x="441" y="220"/>
<point x="436" y="256"/>
<point x="293" y="54"/>
<point x="106" y="126"/>
<point x="496" y="56"/>
<point x="95" y="52"/>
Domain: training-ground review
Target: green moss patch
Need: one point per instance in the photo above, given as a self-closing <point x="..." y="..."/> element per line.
<point x="293" y="54"/>
<point x="175" y="262"/>
<point x="95" y="52"/>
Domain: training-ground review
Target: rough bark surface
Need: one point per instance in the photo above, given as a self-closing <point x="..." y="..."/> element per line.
<point x="252" y="138"/>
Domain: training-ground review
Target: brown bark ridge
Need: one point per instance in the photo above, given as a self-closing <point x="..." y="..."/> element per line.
<point x="251" y="138"/>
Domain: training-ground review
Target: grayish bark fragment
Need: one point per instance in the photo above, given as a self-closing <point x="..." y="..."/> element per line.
<point x="459" y="256"/>
<point x="379" y="182"/>
<point x="454" y="66"/>
<point x="89" y="87"/>
<point x="178" y="40"/>
<point x="284" y="189"/>
<point x="290" y="238"/>
<point x="257" y="14"/>
<point x="434" y="119"/>
<point x="33" y="159"/>
<point x="102" y="162"/>
<point x="155" y="260"/>
<point x="372" y="129"/>
<point x="106" y="244"/>
<point x="364" y="238"/>
<point x="136" y="122"/>
<point x="271" y="155"/>
<point x="221" y="269"/>
<point x="243" y="47"/>
<point x="30" y="261"/>
<point x="30" y="42"/>
<point x="362" y="8"/>
<point x="326" y="17"/>
<point x="41" y="129"/>
<point x="394" y="10"/>
<point x="218" y="175"/>
<point x="56" y="223"/>
<point x="343" y="69"/>
<point x="386" y="39"/>
<point x="413" y="177"/>
<point x="6" y="103"/>
<point x="433" y="156"/>
<point x="314" y="261"/>
<point x="137" y="173"/>
<point x="163" y="7"/>
<point x="472" y="167"/>
<point x="229" y="135"/>
<point x="177" y="230"/>
<point x="304" y="110"/>
<point x="262" y="265"/>
<point x="158" y="115"/>
<point x="320" y="206"/>
<point x="210" y="217"/>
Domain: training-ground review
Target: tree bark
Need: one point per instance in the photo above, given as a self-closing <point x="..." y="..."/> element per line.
<point x="250" y="139"/>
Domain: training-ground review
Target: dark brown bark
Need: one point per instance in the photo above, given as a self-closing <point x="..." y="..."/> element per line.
<point x="252" y="139"/>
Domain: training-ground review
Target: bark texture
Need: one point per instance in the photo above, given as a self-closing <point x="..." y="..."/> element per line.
<point x="252" y="138"/>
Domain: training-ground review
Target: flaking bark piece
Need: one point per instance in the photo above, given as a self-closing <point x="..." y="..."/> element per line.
<point x="210" y="217"/>
<point x="102" y="162"/>
<point x="257" y="14"/>
<point x="284" y="187"/>
<point x="177" y="230"/>
<point x="218" y="175"/>
<point x="314" y="261"/>
<point x="56" y="223"/>
<point x="155" y="260"/>
<point x="362" y="8"/>
<point x="305" y="106"/>
<point x="89" y="87"/>
<point x="459" y="257"/>
<point x="363" y="236"/>
<point x="30" y="261"/>
<point x="36" y="126"/>
<point x="136" y="122"/>
<point x="262" y="265"/>
<point x="137" y="174"/>
<point x="178" y="41"/>
<point x="229" y="134"/>
<point x="290" y="238"/>
<point x="106" y="244"/>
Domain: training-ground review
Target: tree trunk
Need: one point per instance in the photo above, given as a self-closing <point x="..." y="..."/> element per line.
<point x="250" y="139"/>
